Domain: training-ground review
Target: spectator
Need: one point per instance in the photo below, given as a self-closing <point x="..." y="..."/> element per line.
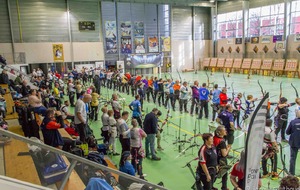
<point x="81" y="110"/>
<point x="125" y="165"/>
<point x="124" y="131"/>
<point x="150" y="127"/>
<point x="294" y="141"/>
<point x="137" y="152"/>
<point x="65" y="111"/>
<point x="4" y="77"/>
<point x="49" y="127"/>
<point x="289" y="183"/>
<point x="94" y="104"/>
<point x="105" y="125"/>
<point x="35" y="101"/>
<point x="112" y="132"/>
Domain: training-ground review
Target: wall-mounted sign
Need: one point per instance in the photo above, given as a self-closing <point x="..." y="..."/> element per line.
<point x="58" y="52"/>
<point x="86" y="25"/>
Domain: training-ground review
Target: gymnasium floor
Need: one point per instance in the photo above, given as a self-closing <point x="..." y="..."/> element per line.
<point x="171" y="168"/>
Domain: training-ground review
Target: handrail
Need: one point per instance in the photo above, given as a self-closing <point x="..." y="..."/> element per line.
<point x="77" y="158"/>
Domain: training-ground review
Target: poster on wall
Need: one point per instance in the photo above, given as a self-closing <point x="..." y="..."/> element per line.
<point x="279" y="45"/>
<point x="126" y="45"/>
<point x="297" y="37"/>
<point x="126" y="29"/>
<point x="165" y="43"/>
<point x="121" y="66"/>
<point x="153" y="44"/>
<point x="254" y="40"/>
<point x="99" y="64"/>
<point x="266" y="39"/>
<point x="139" y="44"/>
<point x="139" y="29"/>
<point x="58" y="52"/>
<point x="111" y="37"/>
<point x="238" y="40"/>
<point x="277" y="38"/>
<point x="230" y="40"/>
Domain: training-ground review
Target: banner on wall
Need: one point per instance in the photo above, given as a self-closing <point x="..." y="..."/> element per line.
<point x="143" y="61"/>
<point x="139" y="44"/>
<point x="139" y="29"/>
<point x="266" y="39"/>
<point x="277" y="38"/>
<point x="58" y="52"/>
<point x="165" y="43"/>
<point x="120" y="66"/>
<point x="153" y="44"/>
<point x="297" y="38"/>
<point x="111" y="37"/>
<point x="238" y="40"/>
<point x="254" y="40"/>
<point x="126" y="29"/>
<point x="126" y="46"/>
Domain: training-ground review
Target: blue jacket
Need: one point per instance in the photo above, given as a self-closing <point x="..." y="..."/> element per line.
<point x="203" y="93"/>
<point x="98" y="184"/>
<point x="294" y="131"/>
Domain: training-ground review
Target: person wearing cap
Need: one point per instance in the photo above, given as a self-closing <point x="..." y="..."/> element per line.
<point x="282" y="118"/>
<point x="150" y="128"/>
<point x="294" y="141"/>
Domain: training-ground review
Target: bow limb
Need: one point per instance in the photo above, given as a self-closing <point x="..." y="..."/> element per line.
<point x="280" y="95"/>
<point x="225" y="81"/>
<point x="232" y="93"/>
<point x="296" y="91"/>
<point x="179" y="76"/>
<point x="261" y="88"/>
<point x="207" y="79"/>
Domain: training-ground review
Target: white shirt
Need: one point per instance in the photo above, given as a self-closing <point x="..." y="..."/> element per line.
<point x="64" y="111"/>
<point x="80" y="107"/>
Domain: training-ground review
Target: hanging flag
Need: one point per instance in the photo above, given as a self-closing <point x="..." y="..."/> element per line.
<point x="254" y="144"/>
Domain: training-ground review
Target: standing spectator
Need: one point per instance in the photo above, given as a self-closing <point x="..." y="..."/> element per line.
<point x="112" y="132"/>
<point x="124" y="132"/>
<point x="294" y="141"/>
<point x="105" y="125"/>
<point x="81" y="110"/>
<point x="78" y="89"/>
<point x="226" y="118"/>
<point x="204" y="99"/>
<point x="71" y="92"/>
<point x="116" y="106"/>
<point x="150" y="127"/>
<point x="207" y="165"/>
<point x="135" y="107"/>
<point x="94" y="105"/>
<point x="136" y="137"/>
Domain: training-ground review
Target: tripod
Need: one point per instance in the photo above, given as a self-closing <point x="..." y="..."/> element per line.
<point x="282" y="157"/>
<point x="193" y="173"/>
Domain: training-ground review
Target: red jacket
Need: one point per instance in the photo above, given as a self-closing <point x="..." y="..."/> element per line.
<point x="223" y="99"/>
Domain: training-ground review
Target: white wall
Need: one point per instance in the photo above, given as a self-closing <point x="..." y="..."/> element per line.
<point x="42" y="52"/>
<point x="182" y="53"/>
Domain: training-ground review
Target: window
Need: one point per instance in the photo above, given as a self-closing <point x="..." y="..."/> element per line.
<point x="230" y="25"/>
<point x="295" y="17"/>
<point x="267" y="20"/>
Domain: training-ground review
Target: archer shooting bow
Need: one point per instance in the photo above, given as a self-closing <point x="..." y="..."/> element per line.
<point x="207" y="79"/>
<point x="280" y="95"/>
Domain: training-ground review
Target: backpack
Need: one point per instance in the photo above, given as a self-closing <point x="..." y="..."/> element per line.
<point x="97" y="157"/>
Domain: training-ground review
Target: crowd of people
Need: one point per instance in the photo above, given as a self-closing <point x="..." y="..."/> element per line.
<point x="83" y="87"/>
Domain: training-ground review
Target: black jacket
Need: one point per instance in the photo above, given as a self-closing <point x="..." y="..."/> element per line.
<point x="3" y="78"/>
<point x="150" y="123"/>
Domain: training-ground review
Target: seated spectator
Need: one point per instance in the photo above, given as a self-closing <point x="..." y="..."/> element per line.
<point x="50" y="131"/>
<point x="289" y="182"/>
<point x="65" y="111"/>
<point x="25" y="89"/>
<point x="98" y="184"/>
<point x="125" y="165"/>
<point x="19" y="80"/>
<point x="4" y="77"/>
<point x="35" y="101"/>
